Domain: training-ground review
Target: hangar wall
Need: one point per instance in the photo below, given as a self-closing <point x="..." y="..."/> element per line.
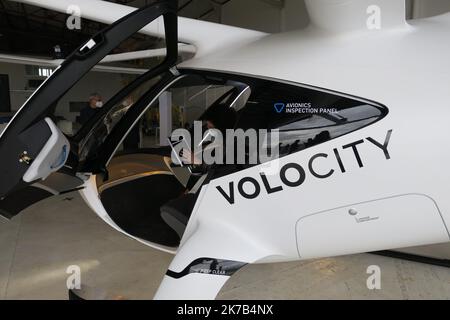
<point x="17" y="84"/>
<point x="104" y="83"/>
<point x="267" y="16"/>
<point x="427" y="8"/>
<point x="294" y="15"/>
<point x="253" y="14"/>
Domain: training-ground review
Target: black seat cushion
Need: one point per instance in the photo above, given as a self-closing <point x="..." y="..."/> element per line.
<point x="135" y="207"/>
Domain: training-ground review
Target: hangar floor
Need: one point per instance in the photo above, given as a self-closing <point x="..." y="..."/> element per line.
<point x="37" y="247"/>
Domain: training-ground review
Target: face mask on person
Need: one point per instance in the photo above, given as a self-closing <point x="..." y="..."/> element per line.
<point x="99" y="104"/>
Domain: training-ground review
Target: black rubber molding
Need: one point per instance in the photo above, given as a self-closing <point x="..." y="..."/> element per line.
<point x="414" y="258"/>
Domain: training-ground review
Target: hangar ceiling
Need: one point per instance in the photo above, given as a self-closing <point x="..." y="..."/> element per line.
<point x="30" y="30"/>
<point x="33" y="31"/>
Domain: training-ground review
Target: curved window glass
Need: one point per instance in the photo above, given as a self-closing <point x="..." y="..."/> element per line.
<point x="304" y="116"/>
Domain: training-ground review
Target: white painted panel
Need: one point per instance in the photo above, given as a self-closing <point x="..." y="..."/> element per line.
<point x="401" y="221"/>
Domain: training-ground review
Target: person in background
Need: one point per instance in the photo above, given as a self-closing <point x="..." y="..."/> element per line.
<point x="57" y="52"/>
<point x="94" y="104"/>
<point x="220" y="117"/>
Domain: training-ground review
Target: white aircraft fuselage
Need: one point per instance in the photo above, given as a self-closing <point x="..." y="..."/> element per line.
<point x="383" y="186"/>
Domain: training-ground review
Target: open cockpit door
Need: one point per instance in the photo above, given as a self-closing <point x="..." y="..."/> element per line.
<point x="37" y="159"/>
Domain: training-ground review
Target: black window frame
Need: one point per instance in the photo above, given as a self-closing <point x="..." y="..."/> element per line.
<point x="98" y="162"/>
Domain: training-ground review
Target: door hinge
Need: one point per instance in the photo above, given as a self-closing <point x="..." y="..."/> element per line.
<point x="25" y="158"/>
<point x="174" y="71"/>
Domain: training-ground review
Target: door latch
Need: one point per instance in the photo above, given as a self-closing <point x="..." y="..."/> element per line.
<point x="25" y="158"/>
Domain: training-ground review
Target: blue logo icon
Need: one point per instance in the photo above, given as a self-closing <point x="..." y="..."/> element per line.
<point x="279" y="107"/>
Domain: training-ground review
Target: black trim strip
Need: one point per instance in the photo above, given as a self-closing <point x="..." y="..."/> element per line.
<point x="414" y="258"/>
<point x="209" y="266"/>
<point x="72" y="190"/>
